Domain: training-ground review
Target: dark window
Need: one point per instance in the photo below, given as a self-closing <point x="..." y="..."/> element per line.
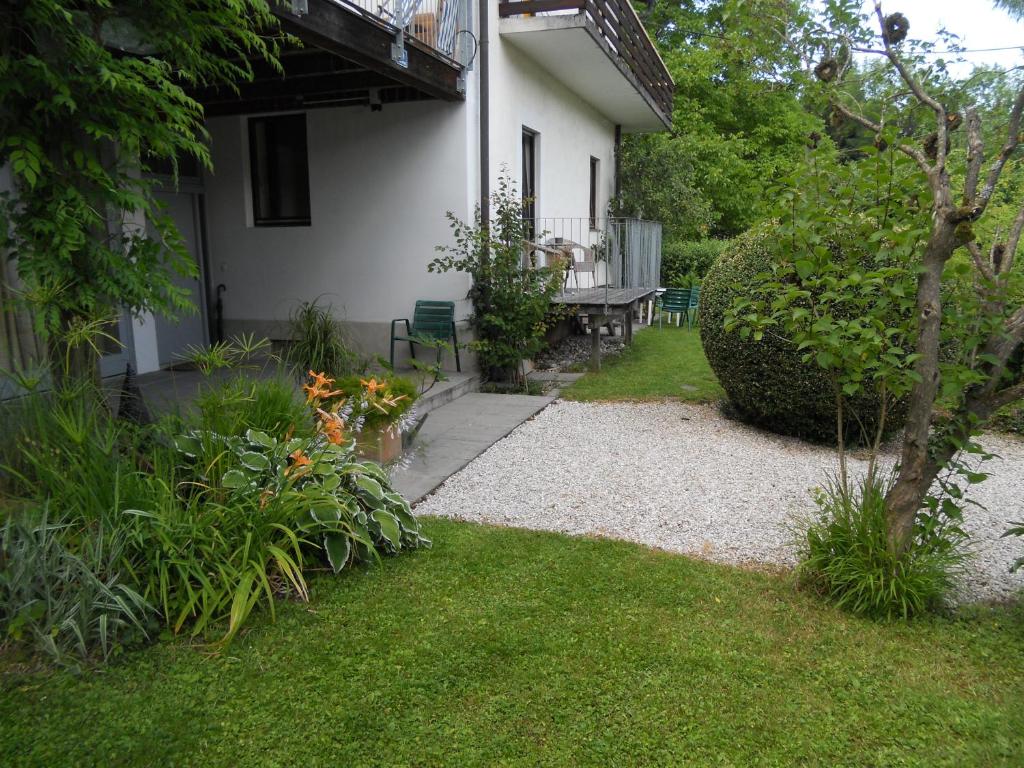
<point x="188" y="166"/>
<point x="280" y="171"/>
<point x="530" y="182"/>
<point x="595" y="168"/>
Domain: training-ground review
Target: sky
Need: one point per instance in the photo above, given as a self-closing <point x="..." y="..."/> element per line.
<point x="978" y="23"/>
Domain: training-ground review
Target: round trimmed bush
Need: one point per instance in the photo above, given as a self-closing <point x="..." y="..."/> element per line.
<point x="767" y="383"/>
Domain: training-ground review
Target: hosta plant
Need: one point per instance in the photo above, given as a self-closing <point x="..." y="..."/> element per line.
<point x="348" y="506"/>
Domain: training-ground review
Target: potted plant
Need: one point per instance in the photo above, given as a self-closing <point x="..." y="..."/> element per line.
<point x="379" y="407"/>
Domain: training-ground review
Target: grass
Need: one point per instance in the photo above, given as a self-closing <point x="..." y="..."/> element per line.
<point x="507" y="647"/>
<point x="662" y="362"/>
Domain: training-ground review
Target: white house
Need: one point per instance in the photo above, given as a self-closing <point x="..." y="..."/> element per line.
<point x="334" y="180"/>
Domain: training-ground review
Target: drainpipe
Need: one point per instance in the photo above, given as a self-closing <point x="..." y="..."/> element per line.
<point x="484" y="74"/>
<point x="618" y="163"/>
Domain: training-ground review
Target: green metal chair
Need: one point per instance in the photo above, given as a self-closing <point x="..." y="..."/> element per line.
<point x="693" y="306"/>
<point x="431" y="321"/>
<point x="674" y="301"/>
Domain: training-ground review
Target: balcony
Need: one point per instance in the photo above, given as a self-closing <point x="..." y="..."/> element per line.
<point x="358" y="52"/>
<point x="600" y="50"/>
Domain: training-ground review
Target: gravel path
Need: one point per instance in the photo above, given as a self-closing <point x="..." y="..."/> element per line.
<point x="681" y="477"/>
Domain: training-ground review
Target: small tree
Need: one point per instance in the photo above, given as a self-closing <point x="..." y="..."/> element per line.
<point x="511" y="301"/>
<point x="959" y="359"/>
<point x="93" y="93"/>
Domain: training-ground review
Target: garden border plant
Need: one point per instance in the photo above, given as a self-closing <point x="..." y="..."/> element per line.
<point x="511" y="303"/>
<point x="176" y="521"/>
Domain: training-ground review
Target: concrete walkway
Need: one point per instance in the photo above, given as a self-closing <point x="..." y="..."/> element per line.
<point x="455" y="434"/>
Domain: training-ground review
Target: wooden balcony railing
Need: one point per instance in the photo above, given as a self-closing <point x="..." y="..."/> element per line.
<point x="621" y="29"/>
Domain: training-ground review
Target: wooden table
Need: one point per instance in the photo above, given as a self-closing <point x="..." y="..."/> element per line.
<point x="601" y="307"/>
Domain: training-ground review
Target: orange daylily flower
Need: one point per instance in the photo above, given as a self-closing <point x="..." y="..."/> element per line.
<point x="333" y="427"/>
<point x="319" y="388"/>
<point x="299" y="462"/>
<point x="372" y="385"/>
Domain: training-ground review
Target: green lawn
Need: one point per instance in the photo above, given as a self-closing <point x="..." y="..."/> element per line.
<point x="663" y="362"/>
<point x="506" y="647"/>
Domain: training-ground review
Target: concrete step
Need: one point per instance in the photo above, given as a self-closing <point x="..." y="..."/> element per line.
<point x="444" y="392"/>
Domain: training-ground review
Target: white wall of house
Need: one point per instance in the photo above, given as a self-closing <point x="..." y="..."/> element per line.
<point x="570" y="133"/>
<point x="380" y="186"/>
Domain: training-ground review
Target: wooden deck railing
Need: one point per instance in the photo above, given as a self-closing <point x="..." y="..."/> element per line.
<point x="621" y="28"/>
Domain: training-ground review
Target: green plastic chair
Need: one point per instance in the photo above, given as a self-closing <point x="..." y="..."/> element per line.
<point x="693" y="306"/>
<point x="674" y="301"/>
<point x="431" y="321"/>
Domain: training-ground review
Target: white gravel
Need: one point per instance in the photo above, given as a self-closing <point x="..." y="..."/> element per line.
<point x="683" y="478"/>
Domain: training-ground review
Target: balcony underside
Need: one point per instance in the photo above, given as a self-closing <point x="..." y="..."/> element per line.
<point x="345" y="59"/>
<point x="572" y="49"/>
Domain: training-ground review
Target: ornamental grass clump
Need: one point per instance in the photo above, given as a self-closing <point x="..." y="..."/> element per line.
<point x="847" y="556"/>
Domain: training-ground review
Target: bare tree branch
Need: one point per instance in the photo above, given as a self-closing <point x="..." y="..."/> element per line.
<point x="1012" y="241"/>
<point x="1004" y="154"/>
<point x="979" y="259"/>
<point x="975" y="156"/>
<point x="906" y="149"/>
<point x="1015" y="325"/>
<point x="908" y="78"/>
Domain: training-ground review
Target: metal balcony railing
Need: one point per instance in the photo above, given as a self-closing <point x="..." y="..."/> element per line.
<point x="620" y="28"/>
<point x="438" y="24"/>
<point x="606" y="253"/>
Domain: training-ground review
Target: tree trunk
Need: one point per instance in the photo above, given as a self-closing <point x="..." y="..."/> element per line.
<point x="916" y="472"/>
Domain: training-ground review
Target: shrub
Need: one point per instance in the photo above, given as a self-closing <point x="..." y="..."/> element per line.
<point x="847" y="556"/>
<point x="511" y="303"/>
<point x="206" y="527"/>
<point x="685" y="263"/>
<point x="767" y="381"/>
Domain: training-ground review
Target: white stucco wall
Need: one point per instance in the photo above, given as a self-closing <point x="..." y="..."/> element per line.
<point x="380" y="185"/>
<point x="570" y="133"/>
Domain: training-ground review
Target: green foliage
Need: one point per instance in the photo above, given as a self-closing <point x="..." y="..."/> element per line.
<point x="658" y="182"/>
<point x="1009" y="419"/>
<point x="737" y="122"/>
<point x="318" y="342"/>
<point x="73" y="91"/>
<point x="847" y="555"/>
<point x="685" y="263"/>
<point x="242" y="403"/>
<point x="1015" y="529"/>
<point x="511" y="303"/>
<point x="68" y="605"/>
<point x="835" y="286"/>
<point x="236" y="352"/>
<point x="768" y="379"/>
<point x="205" y="526"/>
